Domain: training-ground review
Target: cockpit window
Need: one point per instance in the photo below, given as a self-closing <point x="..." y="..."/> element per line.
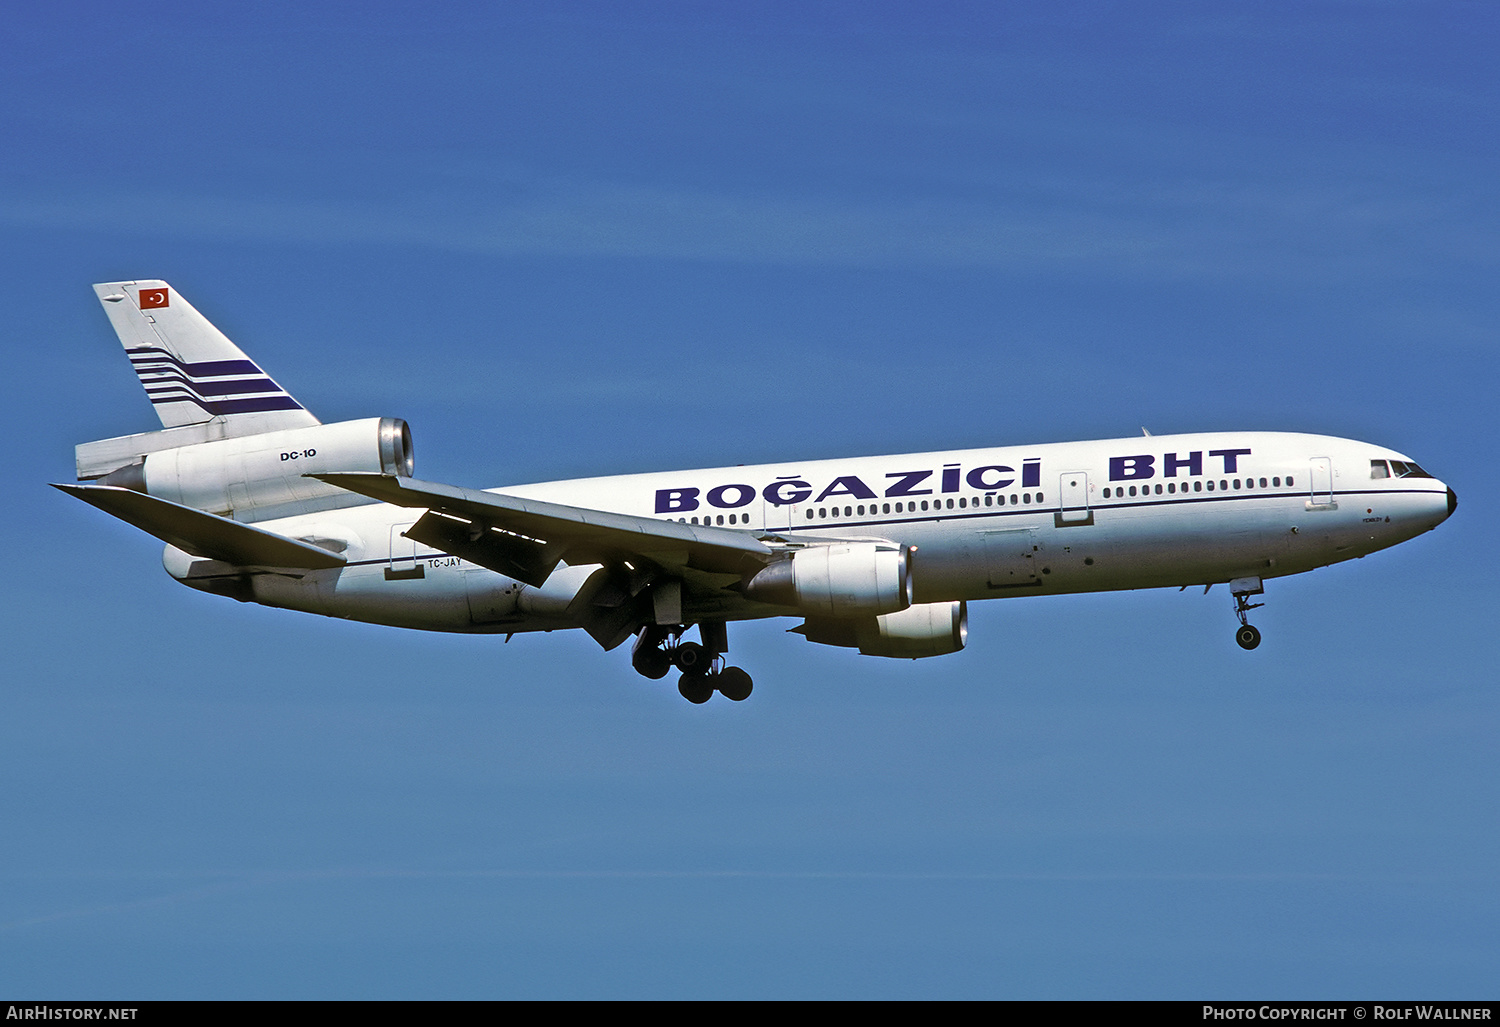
<point x="1378" y="469"/>
<point x="1407" y="469"/>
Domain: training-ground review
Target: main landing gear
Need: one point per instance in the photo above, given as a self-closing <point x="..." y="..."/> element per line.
<point x="1248" y="636"/>
<point x="659" y="648"/>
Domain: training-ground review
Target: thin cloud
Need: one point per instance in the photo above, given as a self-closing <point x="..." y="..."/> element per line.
<point x="1199" y="229"/>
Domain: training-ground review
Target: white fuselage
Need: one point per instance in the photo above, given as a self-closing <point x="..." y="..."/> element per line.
<point x="985" y="523"/>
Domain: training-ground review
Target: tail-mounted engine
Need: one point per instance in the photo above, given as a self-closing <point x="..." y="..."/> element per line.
<point x="255" y="477"/>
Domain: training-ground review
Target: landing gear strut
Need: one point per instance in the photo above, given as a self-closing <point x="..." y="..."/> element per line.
<point x="1242" y="589"/>
<point x="660" y="648"/>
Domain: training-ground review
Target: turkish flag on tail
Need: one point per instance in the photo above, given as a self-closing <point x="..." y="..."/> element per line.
<point x="153" y="298"/>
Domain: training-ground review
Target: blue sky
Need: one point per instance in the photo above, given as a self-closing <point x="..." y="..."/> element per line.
<point x="593" y="238"/>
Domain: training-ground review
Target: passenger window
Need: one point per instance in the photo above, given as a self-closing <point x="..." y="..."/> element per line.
<point x="1289" y="483"/>
<point x="1276" y="483"/>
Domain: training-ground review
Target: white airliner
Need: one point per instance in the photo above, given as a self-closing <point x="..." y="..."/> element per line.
<point x="258" y="500"/>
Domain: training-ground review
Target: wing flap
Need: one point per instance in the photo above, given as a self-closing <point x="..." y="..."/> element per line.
<point x="204" y="534"/>
<point x="516" y="556"/>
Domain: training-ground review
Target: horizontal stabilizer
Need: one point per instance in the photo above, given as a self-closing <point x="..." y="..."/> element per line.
<point x="203" y="534"/>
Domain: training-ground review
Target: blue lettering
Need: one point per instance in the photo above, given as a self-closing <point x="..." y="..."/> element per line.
<point x="976" y="480"/>
<point x="950" y="478"/>
<point x="777" y="492"/>
<point x="676" y="500"/>
<point x="1170" y="463"/>
<point x="907" y="486"/>
<point x="716" y="496"/>
<point x="1130" y="468"/>
<point x="847" y="485"/>
<point x="1231" y="458"/>
<point x="1031" y="473"/>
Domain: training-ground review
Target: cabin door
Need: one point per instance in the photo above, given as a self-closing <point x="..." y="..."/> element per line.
<point x="1073" y="487"/>
<point x="1322" y="481"/>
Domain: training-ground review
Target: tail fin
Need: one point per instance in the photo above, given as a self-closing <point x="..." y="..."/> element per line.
<point x="192" y="373"/>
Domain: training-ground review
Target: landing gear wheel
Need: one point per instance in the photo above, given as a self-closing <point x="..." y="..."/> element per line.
<point x="647" y="655"/>
<point x="653" y="663"/>
<point x="696" y="688"/>
<point x="734" y="684"/>
<point x="692" y="658"/>
<point x="1242" y="589"/>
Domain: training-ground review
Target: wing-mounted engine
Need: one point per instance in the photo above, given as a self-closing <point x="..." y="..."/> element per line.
<point x="843" y="580"/>
<point x="252" y="477"/>
<point x="926" y="629"/>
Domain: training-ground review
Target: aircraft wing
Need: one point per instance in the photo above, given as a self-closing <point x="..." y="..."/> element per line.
<point x="526" y="538"/>
<point x="203" y="534"/>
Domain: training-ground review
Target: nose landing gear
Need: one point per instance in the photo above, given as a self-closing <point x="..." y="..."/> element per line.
<point x="659" y="648"/>
<point x="1241" y="589"/>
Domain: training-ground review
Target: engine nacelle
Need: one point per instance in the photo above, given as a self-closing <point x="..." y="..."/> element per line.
<point x="927" y="629"/>
<point x="845" y="580"/>
<point x="254" y="477"/>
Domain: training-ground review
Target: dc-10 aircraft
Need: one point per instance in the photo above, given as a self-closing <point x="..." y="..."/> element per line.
<point x="259" y="501"/>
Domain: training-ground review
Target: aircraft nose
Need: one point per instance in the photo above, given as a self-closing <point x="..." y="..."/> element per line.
<point x="1452" y="501"/>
